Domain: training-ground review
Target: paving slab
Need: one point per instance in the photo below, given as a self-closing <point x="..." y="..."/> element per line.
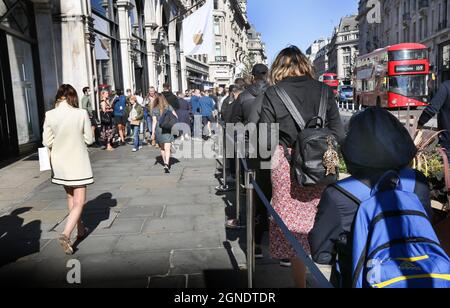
<point x="168" y="242"/>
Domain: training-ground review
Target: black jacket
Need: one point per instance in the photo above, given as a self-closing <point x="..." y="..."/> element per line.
<point x="249" y="104"/>
<point x="227" y="110"/>
<point x="172" y="100"/>
<point x="331" y="234"/>
<point x="439" y="104"/>
<point x="305" y="92"/>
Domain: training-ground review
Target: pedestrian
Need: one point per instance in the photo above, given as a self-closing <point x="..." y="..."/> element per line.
<point x="149" y="100"/>
<point x="376" y="143"/>
<point x="184" y="116"/>
<point x="86" y="104"/>
<point x="440" y="105"/>
<point x="120" y="105"/>
<point x="196" y="112"/>
<point x="164" y="138"/>
<point x="107" y="120"/>
<point x="249" y="111"/>
<point x="67" y="132"/>
<point x="207" y="106"/>
<point x="296" y="205"/>
<point x="170" y="97"/>
<point x="135" y="114"/>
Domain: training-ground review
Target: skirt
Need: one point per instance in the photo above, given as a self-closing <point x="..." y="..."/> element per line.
<point x="296" y="205"/>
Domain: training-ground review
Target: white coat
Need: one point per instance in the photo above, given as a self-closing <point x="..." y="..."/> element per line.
<point x="67" y="132"/>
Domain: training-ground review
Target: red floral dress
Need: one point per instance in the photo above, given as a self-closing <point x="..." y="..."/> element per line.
<point x="296" y="205"/>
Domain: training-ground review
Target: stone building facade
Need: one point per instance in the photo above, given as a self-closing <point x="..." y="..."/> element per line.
<point x="315" y="47"/>
<point x="103" y="44"/>
<point x="231" y="47"/>
<point x="256" y="47"/>
<point x="343" y="48"/>
<point x="418" y="21"/>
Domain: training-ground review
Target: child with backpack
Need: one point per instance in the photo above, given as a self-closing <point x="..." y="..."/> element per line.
<point x="375" y="227"/>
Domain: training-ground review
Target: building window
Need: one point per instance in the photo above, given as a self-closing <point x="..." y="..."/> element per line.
<point x="218" y="49"/>
<point x="17" y="21"/>
<point x="216" y="26"/>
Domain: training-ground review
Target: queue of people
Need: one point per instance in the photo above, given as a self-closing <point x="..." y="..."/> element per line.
<point x="339" y="222"/>
<point x="336" y="222"/>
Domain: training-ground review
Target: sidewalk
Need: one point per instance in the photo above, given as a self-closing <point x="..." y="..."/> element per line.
<point x="149" y="229"/>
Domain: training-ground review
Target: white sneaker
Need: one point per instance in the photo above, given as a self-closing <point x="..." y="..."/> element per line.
<point x="140" y="148"/>
<point x="135" y="150"/>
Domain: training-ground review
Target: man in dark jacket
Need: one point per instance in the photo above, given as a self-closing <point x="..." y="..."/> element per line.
<point x="440" y="104"/>
<point x="171" y="98"/>
<point x="250" y="101"/>
<point x="247" y="110"/>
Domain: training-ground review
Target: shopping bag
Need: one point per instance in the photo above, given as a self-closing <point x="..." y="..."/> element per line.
<point x="44" y="159"/>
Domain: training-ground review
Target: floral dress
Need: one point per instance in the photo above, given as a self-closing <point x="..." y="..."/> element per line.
<point x="296" y="205"/>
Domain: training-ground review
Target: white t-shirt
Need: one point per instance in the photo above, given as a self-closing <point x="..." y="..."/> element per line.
<point x="140" y="100"/>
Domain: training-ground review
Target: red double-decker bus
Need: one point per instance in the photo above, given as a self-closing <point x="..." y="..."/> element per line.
<point x="331" y="80"/>
<point x="393" y="77"/>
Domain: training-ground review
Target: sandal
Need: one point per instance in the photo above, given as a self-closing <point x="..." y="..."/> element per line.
<point x="66" y="245"/>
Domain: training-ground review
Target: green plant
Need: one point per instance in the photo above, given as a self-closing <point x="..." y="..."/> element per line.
<point x="342" y="165"/>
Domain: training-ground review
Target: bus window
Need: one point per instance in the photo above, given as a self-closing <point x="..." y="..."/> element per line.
<point x="402" y="55"/>
<point x="410" y="86"/>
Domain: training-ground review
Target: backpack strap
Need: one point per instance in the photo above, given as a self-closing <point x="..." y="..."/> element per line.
<point x="324" y="103"/>
<point x="408" y="180"/>
<point x="287" y="101"/>
<point x="353" y="189"/>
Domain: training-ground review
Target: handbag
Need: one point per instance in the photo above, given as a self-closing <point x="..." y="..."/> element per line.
<point x="168" y="121"/>
<point x="106" y="118"/>
<point x="44" y="159"/>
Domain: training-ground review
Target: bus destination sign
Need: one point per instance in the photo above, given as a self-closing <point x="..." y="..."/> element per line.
<point x="414" y="68"/>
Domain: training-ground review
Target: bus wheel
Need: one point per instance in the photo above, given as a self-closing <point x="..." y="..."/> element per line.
<point x="378" y="102"/>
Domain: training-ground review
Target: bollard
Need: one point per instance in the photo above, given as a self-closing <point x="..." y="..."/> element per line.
<point x="224" y="187"/>
<point x="238" y="187"/>
<point x="249" y="176"/>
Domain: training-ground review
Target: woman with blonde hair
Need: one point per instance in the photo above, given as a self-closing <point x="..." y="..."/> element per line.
<point x="67" y="132"/>
<point x="163" y="137"/>
<point x="107" y="113"/>
<point x="296" y="205"/>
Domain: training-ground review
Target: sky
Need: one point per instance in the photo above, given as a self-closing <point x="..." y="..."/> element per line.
<point x="297" y="22"/>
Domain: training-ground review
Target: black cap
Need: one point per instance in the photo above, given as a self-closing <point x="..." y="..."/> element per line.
<point x="260" y="69"/>
<point x="377" y="140"/>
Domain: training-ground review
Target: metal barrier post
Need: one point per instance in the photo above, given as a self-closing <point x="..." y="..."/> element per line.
<point x="238" y="186"/>
<point x="224" y="187"/>
<point x="249" y="176"/>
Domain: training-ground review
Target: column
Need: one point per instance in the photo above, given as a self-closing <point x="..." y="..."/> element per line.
<point x="151" y="35"/>
<point x="47" y="53"/>
<point x="70" y="44"/>
<point x="173" y="54"/>
<point x="124" y="6"/>
<point x="173" y="66"/>
<point x="184" y="84"/>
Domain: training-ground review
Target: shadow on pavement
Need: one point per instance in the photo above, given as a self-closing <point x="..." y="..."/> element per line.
<point x="18" y="240"/>
<point x="97" y="211"/>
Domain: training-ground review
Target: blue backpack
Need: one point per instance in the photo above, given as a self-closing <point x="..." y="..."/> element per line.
<point x="120" y="105"/>
<point x="394" y="243"/>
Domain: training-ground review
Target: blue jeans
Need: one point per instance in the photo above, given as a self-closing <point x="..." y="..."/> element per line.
<point x="136" y="133"/>
<point x="149" y="121"/>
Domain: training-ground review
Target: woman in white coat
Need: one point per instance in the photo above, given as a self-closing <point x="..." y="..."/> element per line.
<point x="67" y="133"/>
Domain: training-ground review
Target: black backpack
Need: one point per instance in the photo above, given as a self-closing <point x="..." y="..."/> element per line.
<point x="168" y="121"/>
<point x="314" y="160"/>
